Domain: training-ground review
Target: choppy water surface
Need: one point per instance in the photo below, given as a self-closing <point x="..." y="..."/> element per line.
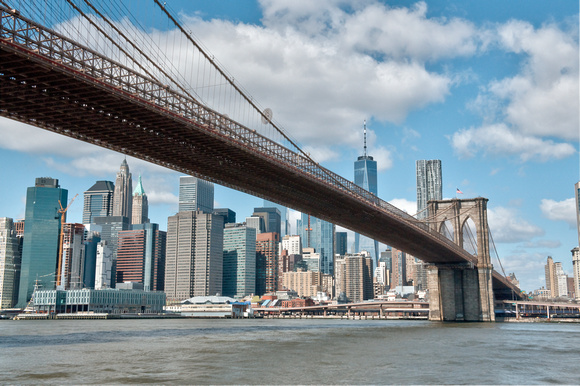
<point x="287" y="352"/>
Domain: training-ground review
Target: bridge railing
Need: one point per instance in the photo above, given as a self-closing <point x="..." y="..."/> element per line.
<point x="18" y="32"/>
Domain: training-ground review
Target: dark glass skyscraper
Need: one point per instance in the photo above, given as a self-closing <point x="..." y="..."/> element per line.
<point x="41" y="237"/>
<point x="365" y="176"/>
<point x="284" y="215"/>
<point x="98" y="201"/>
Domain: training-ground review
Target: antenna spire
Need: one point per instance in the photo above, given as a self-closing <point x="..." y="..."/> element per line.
<point x="365" y="136"/>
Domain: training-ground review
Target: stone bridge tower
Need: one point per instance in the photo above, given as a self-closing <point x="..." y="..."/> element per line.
<point x="462" y="292"/>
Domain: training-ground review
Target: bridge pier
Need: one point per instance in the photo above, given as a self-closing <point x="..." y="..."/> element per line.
<point x="460" y="293"/>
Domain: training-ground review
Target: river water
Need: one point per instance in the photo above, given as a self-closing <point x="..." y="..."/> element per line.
<point x="283" y="351"/>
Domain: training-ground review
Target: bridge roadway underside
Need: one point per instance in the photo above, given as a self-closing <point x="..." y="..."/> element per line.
<point x="49" y="95"/>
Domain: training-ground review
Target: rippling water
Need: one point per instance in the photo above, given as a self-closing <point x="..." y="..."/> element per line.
<point x="283" y="351"/>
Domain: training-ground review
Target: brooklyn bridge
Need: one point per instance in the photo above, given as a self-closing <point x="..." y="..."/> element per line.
<point x="79" y="73"/>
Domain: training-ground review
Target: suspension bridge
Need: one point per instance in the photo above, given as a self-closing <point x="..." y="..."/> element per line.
<point x="91" y="71"/>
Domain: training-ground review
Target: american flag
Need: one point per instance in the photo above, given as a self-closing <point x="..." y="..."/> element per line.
<point x="459" y="191"/>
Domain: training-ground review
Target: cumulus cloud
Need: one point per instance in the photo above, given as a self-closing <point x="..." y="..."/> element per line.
<point x="29" y="139"/>
<point x="338" y="63"/>
<point x="507" y="226"/>
<point x="535" y="112"/>
<point x="529" y="268"/>
<point x="499" y="139"/>
<point x="560" y="210"/>
<point x="405" y="205"/>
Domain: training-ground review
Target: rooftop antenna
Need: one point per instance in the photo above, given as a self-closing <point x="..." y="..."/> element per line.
<point x="365" y="136"/>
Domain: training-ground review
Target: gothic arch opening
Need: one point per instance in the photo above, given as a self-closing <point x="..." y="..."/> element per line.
<point x="469" y="233"/>
<point x="447" y="230"/>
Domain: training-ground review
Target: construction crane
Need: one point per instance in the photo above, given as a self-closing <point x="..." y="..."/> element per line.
<point x="62" y="213"/>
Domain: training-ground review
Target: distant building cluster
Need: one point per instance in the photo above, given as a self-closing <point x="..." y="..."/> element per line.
<point x="559" y="286"/>
<point x="204" y="252"/>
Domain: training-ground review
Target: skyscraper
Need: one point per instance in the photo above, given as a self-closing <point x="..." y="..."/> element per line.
<point x="73" y="256"/>
<point x="284" y="216"/>
<point x="340" y="243"/>
<point x="10" y="256"/>
<point x="576" y="269"/>
<point x="110" y="227"/>
<point x="141" y="256"/>
<point x="239" y="260"/>
<point x="140" y="209"/>
<point x="194" y="255"/>
<point x="195" y="194"/>
<point x="320" y="236"/>
<point x="359" y="277"/>
<point x="365" y="176"/>
<point x="577" y="195"/>
<point x="98" y="201"/>
<point x="550" y="271"/>
<point x="228" y="215"/>
<point x="429" y="184"/>
<point x="41" y="237"/>
<point x="122" y="199"/>
<point x="354" y="277"/>
<point x="272" y="219"/>
<point x="267" y="262"/>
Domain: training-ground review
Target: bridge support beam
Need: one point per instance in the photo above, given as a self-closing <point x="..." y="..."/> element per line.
<point x="460" y="293"/>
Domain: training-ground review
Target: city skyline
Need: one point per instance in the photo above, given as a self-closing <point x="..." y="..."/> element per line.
<point x="488" y="96"/>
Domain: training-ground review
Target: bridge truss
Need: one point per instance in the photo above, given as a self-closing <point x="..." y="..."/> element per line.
<point x="53" y="82"/>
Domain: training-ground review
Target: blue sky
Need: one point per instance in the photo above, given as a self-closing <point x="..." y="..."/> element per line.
<point x="490" y="88"/>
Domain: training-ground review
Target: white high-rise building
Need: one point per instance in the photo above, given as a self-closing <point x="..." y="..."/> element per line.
<point x="561" y="280"/>
<point x="576" y="269"/>
<point x="195" y="194"/>
<point x="292" y="244"/>
<point x="104" y="266"/>
<point x="10" y="255"/>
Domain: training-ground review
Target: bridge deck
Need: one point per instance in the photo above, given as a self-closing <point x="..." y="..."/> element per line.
<point x="81" y="94"/>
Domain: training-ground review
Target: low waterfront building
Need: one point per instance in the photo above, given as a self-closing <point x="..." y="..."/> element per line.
<point x="213" y="307"/>
<point x="110" y="301"/>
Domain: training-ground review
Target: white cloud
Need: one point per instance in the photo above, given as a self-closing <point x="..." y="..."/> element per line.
<point x="155" y="197"/>
<point x="318" y="54"/>
<point x="403" y="33"/>
<point x="560" y="210"/>
<point x="500" y="140"/>
<point x="405" y="205"/>
<point x="528" y="267"/>
<point x="547" y="244"/>
<point x="29" y="139"/>
<point x="526" y="114"/>
<point x="507" y="227"/>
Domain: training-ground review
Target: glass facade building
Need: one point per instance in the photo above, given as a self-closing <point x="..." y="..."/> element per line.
<point x="195" y="194"/>
<point x="365" y="176"/>
<point x="141" y="256"/>
<point x="272" y="219"/>
<point x="284" y="217"/>
<point x="98" y="201"/>
<point x="319" y="236"/>
<point x="239" y="261"/>
<point x="41" y="237"/>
